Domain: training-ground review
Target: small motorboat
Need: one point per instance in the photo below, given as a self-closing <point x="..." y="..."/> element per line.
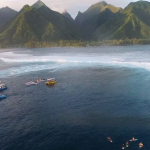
<point x="109" y="139"/>
<point x="3" y="87"/>
<point x="2" y="96"/>
<point x="123" y="146"/>
<point x="127" y="144"/>
<point x="31" y="83"/>
<point x="50" y="81"/>
<point x="140" y="145"/>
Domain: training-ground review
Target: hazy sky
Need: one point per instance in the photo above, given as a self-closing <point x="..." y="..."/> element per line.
<point x="72" y="6"/>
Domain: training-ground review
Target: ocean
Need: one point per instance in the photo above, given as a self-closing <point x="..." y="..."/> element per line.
<point x="100" y="92"/>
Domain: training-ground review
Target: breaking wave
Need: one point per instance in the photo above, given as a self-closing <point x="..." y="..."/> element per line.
<point x="27" y="62"/>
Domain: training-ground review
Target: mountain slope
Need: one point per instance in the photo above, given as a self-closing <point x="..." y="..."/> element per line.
<point x="90" y="12"/>
<point x="38" y="4"/>
<point x="132" y="22"/>
<point x="67" y="15"/>
<point x="30" y="25"/>
<point x="63" y="23"/>
<point x="91" y="24"/>
<point x="6" y="14"/>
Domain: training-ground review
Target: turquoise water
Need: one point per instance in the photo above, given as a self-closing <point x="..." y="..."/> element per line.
<point x="101" y="91"/>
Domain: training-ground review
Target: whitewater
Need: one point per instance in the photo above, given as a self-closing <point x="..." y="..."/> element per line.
<point x="21" y="61"/>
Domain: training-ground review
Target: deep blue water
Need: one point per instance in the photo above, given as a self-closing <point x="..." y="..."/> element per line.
<point x="101" y="91"/>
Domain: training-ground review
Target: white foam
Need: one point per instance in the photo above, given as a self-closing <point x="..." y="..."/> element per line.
<point x="54" y="62"/>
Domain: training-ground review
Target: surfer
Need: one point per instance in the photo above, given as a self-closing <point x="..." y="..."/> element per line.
<point x="109" y="139"/>
<point x="123" y="147"/>
<point x="127" y="144"/>
<point x="133" y="139"/>
<point x="141" y="145"/>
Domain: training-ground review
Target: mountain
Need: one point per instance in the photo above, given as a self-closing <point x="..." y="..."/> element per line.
<point x="6" y="13"/>
<point x="90" y="12"/>
<point x="31" y="25"/>
<point x="63" y="23"/>
<point x="132" y="22"/>
<point x="90" y="25"/>
<point x="67" y="15"/>
<point x="38" y="4"/>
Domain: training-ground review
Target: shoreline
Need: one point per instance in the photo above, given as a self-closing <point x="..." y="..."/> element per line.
<point x="73" y="43"/>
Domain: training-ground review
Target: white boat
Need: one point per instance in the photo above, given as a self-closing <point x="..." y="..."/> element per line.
<point x="31" y="83"/>
<point x="51" y="79"/>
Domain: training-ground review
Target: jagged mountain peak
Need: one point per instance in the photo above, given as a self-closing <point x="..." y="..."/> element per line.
<point x="101" y="2"/>
<point x="38" y="4"/>
<point x="79" y="12"/>
<point x="6" y="8"/>
<point x="67" y="15"/>
<point x="90" y="12"/>
<point x="64" y="12"/>
<point x="6" y="13"/>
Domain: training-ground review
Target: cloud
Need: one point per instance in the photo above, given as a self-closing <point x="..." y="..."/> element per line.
<point x="72" y="6"/>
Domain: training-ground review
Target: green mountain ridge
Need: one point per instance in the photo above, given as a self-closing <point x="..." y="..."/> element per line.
<point x="90" y="12"/>
<point x="38" y="24"/>
<point x="91" y="24"/>
<point x="132" y="22"/>
<point x="101" y="21"/>
<point x="28" y="25"/>
<point x="6" y="14"/>
<point x="63" y="23"/>
<point x="95" y="10"/>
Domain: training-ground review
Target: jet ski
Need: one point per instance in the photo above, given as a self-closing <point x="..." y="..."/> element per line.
<point x="3" y="87"/>
<point x="2" y="96"/>
<point x="109" y="139"/>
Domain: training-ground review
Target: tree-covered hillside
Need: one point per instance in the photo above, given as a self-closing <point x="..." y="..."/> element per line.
<point x="132" y="22"/>
<point x="38" y="24"/>
<point x="90" y="25"/>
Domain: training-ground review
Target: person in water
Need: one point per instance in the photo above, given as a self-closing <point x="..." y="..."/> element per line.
<point x="123" y="146"/>
<point x="133" y="139"/>
<point x="127" y="143"/>
<point x="141" y="144"/>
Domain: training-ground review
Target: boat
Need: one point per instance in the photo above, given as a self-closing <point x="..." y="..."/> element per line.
<point x="2" y="96"/>
<point x="31" y="83"/>
<point x="140" y="145"/>
<point x="50" y="81"/>
<point x="109" y="139"/>
<point x="3" y="87"/>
